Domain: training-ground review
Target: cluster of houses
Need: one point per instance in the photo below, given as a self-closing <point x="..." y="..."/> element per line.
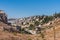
<point x="24" y="23"/>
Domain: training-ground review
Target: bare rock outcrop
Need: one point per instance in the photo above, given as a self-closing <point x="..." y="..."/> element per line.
<point x="3" y="16"/>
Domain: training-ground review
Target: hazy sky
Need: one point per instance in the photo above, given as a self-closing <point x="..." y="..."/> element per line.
<point x="24" y="8"/>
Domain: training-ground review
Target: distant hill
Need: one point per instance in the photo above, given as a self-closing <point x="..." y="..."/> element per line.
<point x="11" y="19"/>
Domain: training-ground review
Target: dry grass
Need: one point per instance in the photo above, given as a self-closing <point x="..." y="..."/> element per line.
<point x="48" y="34"/>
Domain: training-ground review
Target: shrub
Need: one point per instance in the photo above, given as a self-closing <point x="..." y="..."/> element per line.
<point x="36" y="23"/>
<point x="47" y="19"/>
<point x="31" y="27"/>
<point x="57" y="15"/>
<point x="14" y="33"/>
<point x="29" y="39"/>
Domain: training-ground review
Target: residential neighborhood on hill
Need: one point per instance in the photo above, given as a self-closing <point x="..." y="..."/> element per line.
<point x="29" y="19"/>
<point x="37" y="27"/>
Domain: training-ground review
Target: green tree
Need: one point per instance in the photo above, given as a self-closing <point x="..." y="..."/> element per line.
<point x="47" y="19"/>
<point x="57" y="15"/>
<point x="31" y="27"/>
<point x="36" y="23"/>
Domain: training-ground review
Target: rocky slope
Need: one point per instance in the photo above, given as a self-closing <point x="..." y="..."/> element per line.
<point x="49" y="34"/>
<point x="52" y="31"/>
<point x="5" y="35"/>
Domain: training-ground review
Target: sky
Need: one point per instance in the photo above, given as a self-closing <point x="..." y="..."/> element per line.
<point x="25" y="8"/>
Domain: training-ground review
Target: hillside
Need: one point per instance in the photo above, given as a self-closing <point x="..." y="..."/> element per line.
<point x="30" y="28"/>
<point x="54" y="32"/>
<point x="48" y="34"/>
<point x="5" y="35"/>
